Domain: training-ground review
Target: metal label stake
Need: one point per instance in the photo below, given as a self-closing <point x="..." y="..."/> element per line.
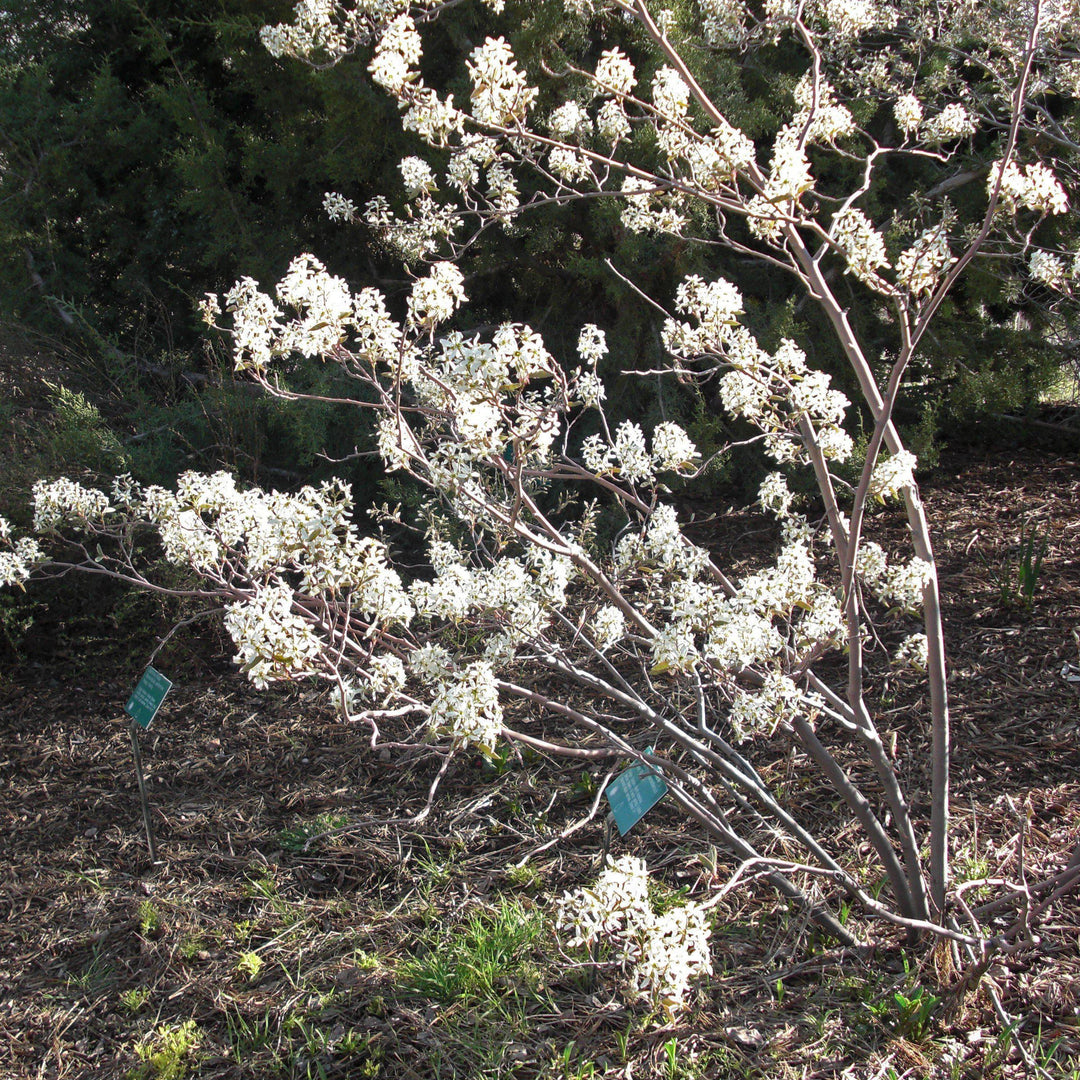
<point x="137" y="754"/>
<point x="142" y="707"/>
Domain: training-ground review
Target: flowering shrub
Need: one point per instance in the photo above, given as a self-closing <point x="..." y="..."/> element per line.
<point x="647" y="640"/>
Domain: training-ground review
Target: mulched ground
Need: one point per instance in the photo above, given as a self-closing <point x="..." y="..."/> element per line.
<point x="236" y="776"/>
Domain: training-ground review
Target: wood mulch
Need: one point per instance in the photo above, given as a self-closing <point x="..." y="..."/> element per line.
<point x="232" y="771"/>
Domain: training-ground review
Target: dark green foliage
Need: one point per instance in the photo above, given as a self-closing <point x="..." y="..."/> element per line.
<point x="153" y="151"/>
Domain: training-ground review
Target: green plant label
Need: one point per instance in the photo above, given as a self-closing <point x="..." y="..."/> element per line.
<point x="147" y="697"/>
<point x="632" y="794"/>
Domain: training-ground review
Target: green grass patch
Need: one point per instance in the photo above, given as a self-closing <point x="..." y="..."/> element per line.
<point x="480" y="961"/>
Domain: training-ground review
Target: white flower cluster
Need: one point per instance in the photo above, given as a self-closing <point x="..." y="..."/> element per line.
<point x="500" y="94"/>
<point x="273" y="641"/>
<point x="571" y="122"/>
<point x="436" y="297"/>
<point x="417" y="176"/>
<point x="16" y="564"/>
<point x="308" y="535"/>
<point x="394" y="68"/>
<point x="824" y="119"/>
<point x="912" y="652"/>
<point x="588" y="389"/>
<point x="919" y="268"/>
<point x="712" y="161"/>
<point x="608" y="626"/>
<point x="777" y="701"/>
<point x="474" y="153"/>
<point x="592" y="344"/>
<point x="63" y="501"/>
<point x="862" y="245"/>
<point x="466" y="707"/>
<point x="256" y="325"/>
<point x="723" y="21"/>
<point x="569" y="165"/>
<point x="819" y="118"/>
<point x="629" y="457"/>
<point x="661" y="545"/>
<point x="516" y="597"/>
<point x="891" y="475"/>
<point x="338" y="208"/>
<point x="773" y="392"/>
<point x="323" y="304"/>
<point x="674" y="647"/>
<point x="1048" y="268"/>
<point x="432" y="118"/>
<point x="848" y="19"/>
<point x="672" y="448"/>
<point x="482" y="390"/>
<point x="898" y="586"/>
<point x="396" y="52"/>
<point x="612" y="123"/>
<point x="661" y="954"/>
<point x="953" y="122"/>
<point x="418" y="235"/>
<point x="647" y="208"/>
<point x="321" y="29"/>
<point x="385" y="674"/>
<point x="671" y="95"/>
<point x="776" y="590"/>
<point x="615" y="73"/>
<point x="908" y="111"/>
<point x="774" y="495"/>
<point x="1034" y="187"/>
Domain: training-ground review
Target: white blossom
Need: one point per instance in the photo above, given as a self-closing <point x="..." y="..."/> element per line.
<point x="671" y="95"/>
<point x="774" y="495"/>
<point x="466" y="708"/>
<point x="1048" y="268"/>
<point x="662" y="954"/>
<point x="500" y="94"/>
<point x="435" y="298"/>
<point x="849" y="18"/>
<point x="891" y="475"/>
<point x="776" y="702"/>
<point x="608" y="626"/>
<point x="672" y="448"/>
<point x="597" y="455"/>
<point x="723" y="21"/>
<point x="570" y="121"/>
<point x="615" y="73"/>
<point x="912" y="652"/>
<point x="633" y="460"/>
<point x="820" y="115"/>
<point x="612" y="124"/>
<point x="919" y="268"/>
<point x="953" y="122"/>
<point x="338" y="208"/>
<point x="592" y="344"/>
<point x="433" y="118"/>
<point x="396" y="54"/>
<point x="417" y="176"/>
<point x="674" y="952"/>
<point x="273" y="641"/>
<point x="17" y="563"/>
<point x="674" y="648"/>
<point x="63" y="501"/>
<point x="863" y="246"/>
<point x="908" y="111"/>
